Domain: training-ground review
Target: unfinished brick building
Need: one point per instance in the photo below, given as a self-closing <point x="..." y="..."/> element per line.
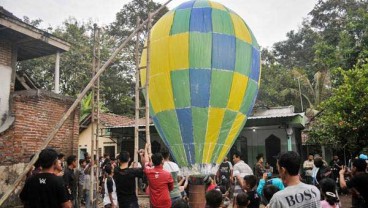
<point x="28" y="114"/>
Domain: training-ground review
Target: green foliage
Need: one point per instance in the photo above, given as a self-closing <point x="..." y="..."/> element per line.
<point x="117" y="82"/>
<point x="344" y="119"/>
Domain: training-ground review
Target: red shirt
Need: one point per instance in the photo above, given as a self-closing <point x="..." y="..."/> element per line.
<point x="160" y="184"/>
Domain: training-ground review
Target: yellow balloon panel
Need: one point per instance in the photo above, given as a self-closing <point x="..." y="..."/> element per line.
<point x="162" y="27"/>
<point x="179" y="49"/>
<point x="161" y="95"/>
<point x="241" y="30"/>
<point x="159" y="63"/>
<point x="237" y="92"/>
<point x="234" y="131"/>
<point x="215" y="117"/>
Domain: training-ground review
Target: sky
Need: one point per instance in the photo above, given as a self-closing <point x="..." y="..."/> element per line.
<point x="269" y="20"/>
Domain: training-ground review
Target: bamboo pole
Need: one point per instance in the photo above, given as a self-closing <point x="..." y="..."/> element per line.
<point x="74" y="106"/>
<point x="137" y="104"/>
<point x="148" y="137"/>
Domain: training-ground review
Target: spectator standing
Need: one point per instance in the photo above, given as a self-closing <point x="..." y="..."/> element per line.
<point x="224" y="173"/>
<point x="358" y="183"/>
<point x="80" y="178"/>
<point x="296" y="193"/>
<point x="125" y="181"/>
<point x="258" y="167"/>
<point x="240" y="170"/>
<point x="335" y="166"/>
<point x="308" y="167"/>
<point x="45" y="189"/>
<point x="160" y="183"/>
<point x="70" y="179"/>
<point x="110" y="199"/>
<point x="174" y="170"/>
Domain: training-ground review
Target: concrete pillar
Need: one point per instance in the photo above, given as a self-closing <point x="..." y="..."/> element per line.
<point x="57" y="73"/>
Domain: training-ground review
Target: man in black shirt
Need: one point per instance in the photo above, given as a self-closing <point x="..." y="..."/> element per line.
<point x="358" y="183"/>
<point x="224" y="173"/>
<point x="70" y="179"/>
<point x="45" y="189"/>
<point x="125" y="181"/>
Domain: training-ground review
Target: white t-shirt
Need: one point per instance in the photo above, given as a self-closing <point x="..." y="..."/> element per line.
<point x="300" y="195"/>
<point x="171" y="167"/>
<point x="241" y="169"/>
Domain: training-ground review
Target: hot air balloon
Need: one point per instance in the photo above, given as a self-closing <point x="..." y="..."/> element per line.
<point x="204" y="79"/>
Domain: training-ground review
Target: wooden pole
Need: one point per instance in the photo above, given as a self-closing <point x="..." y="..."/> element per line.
<point x="148" y="138"/>
<point x="74" y="106"/>
<point x="137" y="104"/>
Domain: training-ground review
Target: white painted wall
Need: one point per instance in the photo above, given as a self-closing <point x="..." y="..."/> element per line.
<point x="5" y="79"/>
<point x="85" y="142"/>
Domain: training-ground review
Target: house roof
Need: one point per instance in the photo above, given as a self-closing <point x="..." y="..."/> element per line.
<point x="110" y="120"/>
<point x="31" y="41"/>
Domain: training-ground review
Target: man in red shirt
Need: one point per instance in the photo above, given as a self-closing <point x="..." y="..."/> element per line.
<point x="160" y="183"/>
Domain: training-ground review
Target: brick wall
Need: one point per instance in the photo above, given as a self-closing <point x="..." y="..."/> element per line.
<point x="5" y="52"/>
<point x="36" y="113"/>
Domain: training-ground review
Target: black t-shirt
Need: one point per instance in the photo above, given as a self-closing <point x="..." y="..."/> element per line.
<point x="254" y="200"/>
<point x="125" y="183"/>
<point x="44" y="190"/>
<point x="360" y="183"/>
<point x="70" y="183"/>
<point x="109" y="185"/>
<point x="225" y="169"/>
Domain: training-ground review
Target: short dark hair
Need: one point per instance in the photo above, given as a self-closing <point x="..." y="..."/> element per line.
<point x="360" y="165"/>
<point x="124" y="156"/>
<point x="71" y="159"/>
<point x="269" y="191"/>
<point x="108" y="169"/>
<point x="81" y="161"/>
<point x="259" y="156"/>
<point x="318" y="162"/>
<point x="157" y="159"/>
<point x="181" y="203"/>
<point x="60" y="156"/>
<point x="213" y="198"/>
<point x="291" y="162"/>
<point x="47" y="158"/>
<point x="251" y="180"/>
<point x="242" y="199"/>
<point x="237" y="154"/>
<point x="165" y="154"/>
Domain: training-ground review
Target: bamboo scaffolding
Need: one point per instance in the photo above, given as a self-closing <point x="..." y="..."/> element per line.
<point x="75" y="105"/>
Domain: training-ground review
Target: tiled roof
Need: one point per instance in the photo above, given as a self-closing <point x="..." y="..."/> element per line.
<point x="111" y="120"/>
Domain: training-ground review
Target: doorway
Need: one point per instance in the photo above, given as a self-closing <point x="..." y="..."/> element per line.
<point x="273" y="148"/>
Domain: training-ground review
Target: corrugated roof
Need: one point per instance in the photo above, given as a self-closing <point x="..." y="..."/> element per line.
<point x="111" y="120"/>
<point x="277" y="116"/>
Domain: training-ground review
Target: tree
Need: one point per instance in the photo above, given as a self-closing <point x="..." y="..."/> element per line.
<point x="117" y="82"/>
<point x="344" y="119"/>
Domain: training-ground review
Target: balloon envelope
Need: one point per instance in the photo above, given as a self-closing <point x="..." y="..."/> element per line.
<point x="204" y="78"/>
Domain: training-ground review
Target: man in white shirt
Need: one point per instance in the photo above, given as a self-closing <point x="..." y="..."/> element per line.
<point x="173" y="168"/>
<point x="240" y="170"/>
<point x="308" y="169"/>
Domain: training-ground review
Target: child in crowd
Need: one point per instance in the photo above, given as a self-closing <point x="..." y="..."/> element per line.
<point x="249" y="186"/>
<point x="213" y="199"/>
<point x="268" y="192"/>
<point x="328" y="190"/>
<point x="242" y="200"/>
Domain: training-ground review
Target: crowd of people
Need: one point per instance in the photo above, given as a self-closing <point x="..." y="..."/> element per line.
<point x="59" y="182"/>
